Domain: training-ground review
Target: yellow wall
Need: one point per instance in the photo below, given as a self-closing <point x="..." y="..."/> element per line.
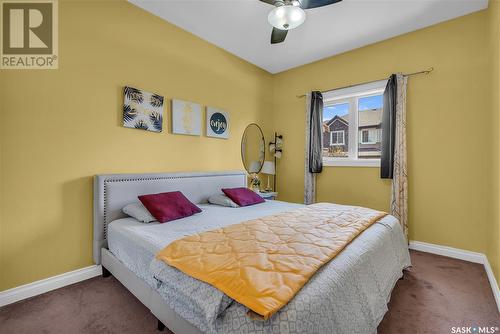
<point x="448" y="130"/>
<point x="1" y="181"/>
<point x="493" y="230"/>
<point x="60" y="127"/>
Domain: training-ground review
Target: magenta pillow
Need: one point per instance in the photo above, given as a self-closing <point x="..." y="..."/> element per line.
<point x="243" y="196"/>
<point x="168" y="206"/>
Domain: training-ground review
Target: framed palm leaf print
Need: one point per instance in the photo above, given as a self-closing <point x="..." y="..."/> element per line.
<point x="142" y="110"/>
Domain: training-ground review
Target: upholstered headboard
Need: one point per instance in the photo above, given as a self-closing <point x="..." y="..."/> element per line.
<point x="113" y="192"/>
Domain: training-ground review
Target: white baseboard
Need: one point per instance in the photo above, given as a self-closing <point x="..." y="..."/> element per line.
<point x="462" y="255"/>
<point x="36" y="288"/>
<point x="493" y="282"/>
<point x="448" y="251"/>
<point x="45" y="285"/>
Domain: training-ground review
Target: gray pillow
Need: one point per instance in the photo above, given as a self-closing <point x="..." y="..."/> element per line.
<point x="221" y="199"/>
<point x="139" y="212"/>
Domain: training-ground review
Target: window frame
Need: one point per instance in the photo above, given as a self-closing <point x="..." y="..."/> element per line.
<point x="368" y="136"/>
<point x="331" y="138"/>
<point x="351" y="96"/>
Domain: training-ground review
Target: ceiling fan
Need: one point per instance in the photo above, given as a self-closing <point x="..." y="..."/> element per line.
<point x="289" y="14"/>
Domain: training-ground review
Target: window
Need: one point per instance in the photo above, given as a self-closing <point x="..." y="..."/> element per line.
<point x="335" y="130"/>
<point x="352" y="125"/>
<point x="370" y="136"/>
<point x="337" y="137"/>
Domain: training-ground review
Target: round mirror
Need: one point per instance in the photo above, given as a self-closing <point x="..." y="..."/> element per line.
<point x="253" y="149"/>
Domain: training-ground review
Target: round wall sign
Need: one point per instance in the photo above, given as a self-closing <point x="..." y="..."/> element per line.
<point x="218" y="123"/>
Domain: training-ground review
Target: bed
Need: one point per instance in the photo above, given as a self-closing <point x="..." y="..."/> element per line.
<point x="349" y="294"/>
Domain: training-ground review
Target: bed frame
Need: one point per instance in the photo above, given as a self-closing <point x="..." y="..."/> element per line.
<point x="113" y="192"/>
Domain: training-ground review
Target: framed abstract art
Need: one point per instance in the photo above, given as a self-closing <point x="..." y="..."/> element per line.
<point x="186" y="118"/>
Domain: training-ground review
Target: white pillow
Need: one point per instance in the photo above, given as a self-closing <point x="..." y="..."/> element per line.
<point x="221" y="199"/>
<point x="139" y="212"/>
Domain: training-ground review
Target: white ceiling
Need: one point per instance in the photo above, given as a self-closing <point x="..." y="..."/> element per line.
<point x="241" y="28"/>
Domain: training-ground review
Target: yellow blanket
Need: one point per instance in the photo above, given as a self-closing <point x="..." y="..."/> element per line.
<point x="263" y="263"/>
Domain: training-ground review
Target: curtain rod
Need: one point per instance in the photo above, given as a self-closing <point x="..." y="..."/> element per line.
<point x="405" y="75"/>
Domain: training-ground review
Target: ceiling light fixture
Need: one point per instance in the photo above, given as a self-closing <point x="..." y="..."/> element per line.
<point x="286" y="17"/>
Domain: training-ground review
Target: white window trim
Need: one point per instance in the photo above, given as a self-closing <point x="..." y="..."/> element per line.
<point x="372" y="88"/>
<point x="346" y="162"/>
<point x="361" y="138"/>
<point x="346" y="95"/>
<point x="343" y="138"/>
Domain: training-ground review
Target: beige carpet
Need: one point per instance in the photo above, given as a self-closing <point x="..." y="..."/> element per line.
<point x="437" y="294"/>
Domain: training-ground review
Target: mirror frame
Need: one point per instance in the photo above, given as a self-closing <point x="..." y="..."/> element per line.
<point x="241" y="147"/>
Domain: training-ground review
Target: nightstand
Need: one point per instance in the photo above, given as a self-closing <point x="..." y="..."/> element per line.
<point x="268" y="195"/>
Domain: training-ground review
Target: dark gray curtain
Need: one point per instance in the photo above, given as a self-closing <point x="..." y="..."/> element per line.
<point x="316" y="133"/>
<point x="388" y="128"/>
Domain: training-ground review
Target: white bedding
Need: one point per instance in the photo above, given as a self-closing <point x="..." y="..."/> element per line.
<point x="135" y="244"/>
<point x="347" y="295"/>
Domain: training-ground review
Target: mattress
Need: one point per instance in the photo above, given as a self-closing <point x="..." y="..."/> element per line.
<point x="347" y="295"/>
<point x="135" y="244"/>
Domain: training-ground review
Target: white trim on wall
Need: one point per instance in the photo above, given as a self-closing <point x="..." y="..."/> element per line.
<point x="448" y="251"/>
<point x="493" y="282"/>
<point x="347" y="162"/>
<point x="461" y="255"/>
<point x="36" y="288"/>
<point x="48" y="284"/>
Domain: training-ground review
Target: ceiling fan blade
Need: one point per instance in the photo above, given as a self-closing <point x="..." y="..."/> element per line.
<point x="278" y="35"/>
<point x="308" y="4"/>
<point x="271" y="2"/>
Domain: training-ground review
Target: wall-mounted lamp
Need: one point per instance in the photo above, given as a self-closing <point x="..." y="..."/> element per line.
<point x="276" y="149"/>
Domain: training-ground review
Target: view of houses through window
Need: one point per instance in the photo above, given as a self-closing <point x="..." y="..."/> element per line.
<point x="352" y="126"/>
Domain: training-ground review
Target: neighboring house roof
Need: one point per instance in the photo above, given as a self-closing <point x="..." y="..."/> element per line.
<point x="337" y="118"/>
<point x="366" y="118"/>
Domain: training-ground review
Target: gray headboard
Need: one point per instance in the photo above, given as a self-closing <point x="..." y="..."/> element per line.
<point x="113" y="192"/>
